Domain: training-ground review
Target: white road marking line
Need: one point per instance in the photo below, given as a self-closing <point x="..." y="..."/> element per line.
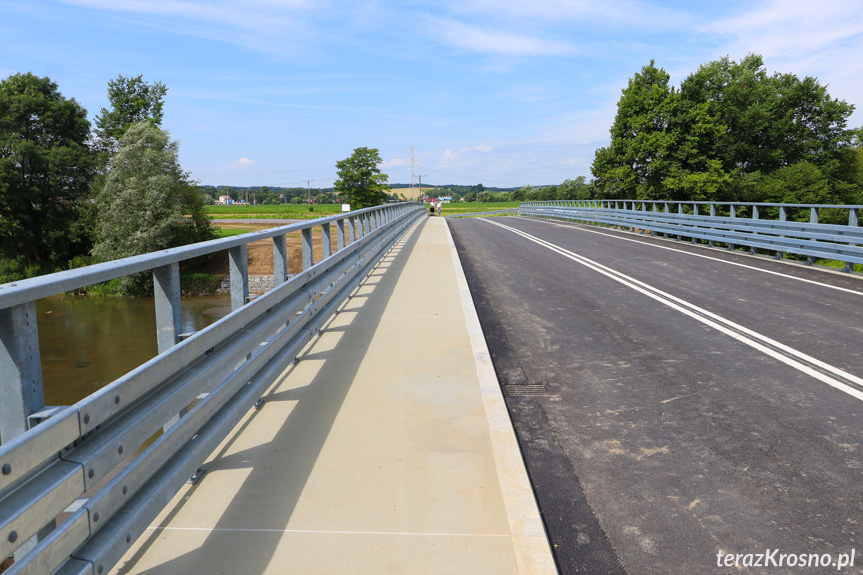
<point x="325" y="532"/>
<point x="790" y="356"/>
<point x="638" y="241"/>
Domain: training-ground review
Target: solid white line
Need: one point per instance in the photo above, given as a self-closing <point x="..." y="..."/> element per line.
<point x="325" y="532"/>
<point x="644" y="243"/>
<point x="715" y="321"/>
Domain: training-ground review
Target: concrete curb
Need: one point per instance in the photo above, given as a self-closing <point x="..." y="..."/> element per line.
<point x="533" y="553"/>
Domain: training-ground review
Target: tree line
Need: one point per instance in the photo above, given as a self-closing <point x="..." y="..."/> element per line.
<point x="72" y="194"/>
<point x="268" y="195"/>
<point x="731" y="132"/>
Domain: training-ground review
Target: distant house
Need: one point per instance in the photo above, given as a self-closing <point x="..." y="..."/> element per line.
<point x="225" y="201"/>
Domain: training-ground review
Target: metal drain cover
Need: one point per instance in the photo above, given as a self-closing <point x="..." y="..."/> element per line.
<point x="526" y="390"/>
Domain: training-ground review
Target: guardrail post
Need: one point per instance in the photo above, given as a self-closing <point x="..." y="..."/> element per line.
<point x="711" y="243"/>
<point x="340" y="234"/>
<point x="20" y="383"/>
<point x="169" y="316"/>
<point x="853" y="221"/>
<point x="733" y="213"/>
<point x="643" y="209"/>
<point x="280" y="260"/>
<point x="755" y="216"/>
<point x="813" y="219"/>
<point x="667" y="211"/>
<point x="694" y="213"/>
<point x="239" y="267"/>
<point x="352" y="229"/>
<point x="20" y="369"/>
<point x="308" y="254"/>
<point x="326" y="241"/>
<point x="783" y="217"/>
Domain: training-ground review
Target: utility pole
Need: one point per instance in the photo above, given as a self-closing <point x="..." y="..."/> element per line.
<point x="412" y="173"/>
<point x="309" y="192"/>
<point x="420" y="196"/>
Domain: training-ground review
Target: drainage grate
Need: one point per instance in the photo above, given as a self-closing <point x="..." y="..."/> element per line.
<point x="526" y="390"/>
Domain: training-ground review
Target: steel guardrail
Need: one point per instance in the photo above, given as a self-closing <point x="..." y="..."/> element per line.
<point x="211" y="379"/>
<point x="508" y="212"/>
<point x="811" y="239"/>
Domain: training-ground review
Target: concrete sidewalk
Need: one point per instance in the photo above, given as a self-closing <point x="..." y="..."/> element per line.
<point x="386" y="449"/>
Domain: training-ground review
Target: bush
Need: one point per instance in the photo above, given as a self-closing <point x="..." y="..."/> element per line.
<point x="198" y="282"/>
<point x="12" y="269"/>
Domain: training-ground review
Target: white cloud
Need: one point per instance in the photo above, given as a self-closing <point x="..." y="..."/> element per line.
<point x="792" y="28"/>
<point x="395" y="163"/>
<point x="499" y="42"/>
<point x="795" y="36"/>
<point x="604" y="13"/>
<point x="246" y="162"/>
<point x="258" y="24"/>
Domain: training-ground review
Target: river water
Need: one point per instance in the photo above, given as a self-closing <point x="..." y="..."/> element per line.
<point x="87" y="342"/>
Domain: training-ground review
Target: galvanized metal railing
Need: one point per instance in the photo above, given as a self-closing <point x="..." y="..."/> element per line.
<point x="811" y="239"/>
<point x="507" y="212"/>
<point x="51" y="456"/>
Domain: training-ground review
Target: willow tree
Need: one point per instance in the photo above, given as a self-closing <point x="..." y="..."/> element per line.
<point x="142" y="203"/>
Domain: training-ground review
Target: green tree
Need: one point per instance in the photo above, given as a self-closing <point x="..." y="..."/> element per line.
<point x="576" y="189"/>
<point x="519" y="194"/>
<point x="770" y="121"/>
<point x="360" y="182"/>
<point x="45" y="170"/>
<point x="639" y="157"/>
<point x="729" y="127"/>
<point x="132" y="100"/>
<point x="141" y="206"/>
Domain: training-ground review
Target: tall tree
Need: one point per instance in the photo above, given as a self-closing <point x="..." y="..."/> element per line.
<point x="132" y="100"/>
<point x="141" y="205"/>
<point x="729" y="127"/>
<point x="770" y="121"/>
<point x="45" y="169"/>
<point x="638" y="159"/>
<point x="360" y="181"/>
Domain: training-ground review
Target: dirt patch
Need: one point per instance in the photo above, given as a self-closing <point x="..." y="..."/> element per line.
<point x="260" y="253"/>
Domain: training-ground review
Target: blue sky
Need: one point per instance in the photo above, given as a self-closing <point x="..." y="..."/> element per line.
<point x="499" y="92"/>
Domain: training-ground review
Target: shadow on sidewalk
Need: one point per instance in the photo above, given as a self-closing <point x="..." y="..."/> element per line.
<point x="281" y="474"/>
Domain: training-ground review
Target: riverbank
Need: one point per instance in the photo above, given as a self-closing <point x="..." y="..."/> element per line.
<point x="260" y="256"/>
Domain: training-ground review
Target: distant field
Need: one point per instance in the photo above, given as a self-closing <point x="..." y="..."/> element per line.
<point x="301" y="211"/>
<point x="276" y="211"/>
<point x="468" y="207"/>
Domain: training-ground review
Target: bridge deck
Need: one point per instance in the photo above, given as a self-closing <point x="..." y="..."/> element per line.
<point x="386" y="449"/>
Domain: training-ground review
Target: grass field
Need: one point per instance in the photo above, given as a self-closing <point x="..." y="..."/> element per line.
<point x="468" y="207"/>
<point x="276" y="211"/>
<point x="301" y="211"/>
<point x="228" y="232"/>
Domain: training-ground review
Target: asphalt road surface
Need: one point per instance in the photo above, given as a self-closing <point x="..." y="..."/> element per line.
<point x="681" y="409"/>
